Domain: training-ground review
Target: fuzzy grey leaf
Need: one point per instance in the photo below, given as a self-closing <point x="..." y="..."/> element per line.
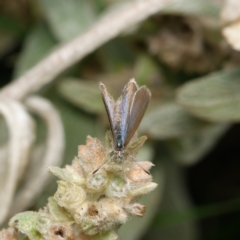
<point x="170" y="121"/>
<point x="214" y="97"/>
<point x="69" y="18"/>
<point x="83" y="94"/>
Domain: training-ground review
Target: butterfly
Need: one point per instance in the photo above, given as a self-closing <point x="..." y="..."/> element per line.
<point x="126" y="113"/>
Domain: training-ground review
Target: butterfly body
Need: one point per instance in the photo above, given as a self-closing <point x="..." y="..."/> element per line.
<point x="119" y="141"/>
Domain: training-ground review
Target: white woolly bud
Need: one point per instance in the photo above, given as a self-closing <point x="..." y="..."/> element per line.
<point x="96" y="182"/>
<point x="116" y="187"/>
<point x="70" y="196"/>
<point x="136" y="209"/>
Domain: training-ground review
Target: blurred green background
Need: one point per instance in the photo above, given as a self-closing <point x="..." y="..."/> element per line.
<point x="192" y="121"/>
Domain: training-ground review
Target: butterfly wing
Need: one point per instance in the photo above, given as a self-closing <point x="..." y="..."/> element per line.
<point x="109" y="104"/>
<point x="139" y="105"/>
<point x="126" y="102"/>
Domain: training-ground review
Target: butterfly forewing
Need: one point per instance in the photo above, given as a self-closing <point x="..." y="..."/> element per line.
<point x="127" y="99"/>
<point x="109" y="104"/>
<point x="139" y="105"/>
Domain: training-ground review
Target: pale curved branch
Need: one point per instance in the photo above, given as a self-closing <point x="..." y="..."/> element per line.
<point x="65" y="56"/>
<point x="21" y="138"/>
<point x="50" y="154"/>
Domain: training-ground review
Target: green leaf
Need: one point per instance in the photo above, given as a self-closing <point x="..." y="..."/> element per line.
<point x="38" y="44"/>
<point x="197" y="7"/>
<point x="170" y="121"/>
<point x="111" y="235"/>
<point x="69" y="18"/>
<point x="214" y="97"/>
<point x="83" y="94"/>
<point x="67" y="176"/>
<point x="26" y="223"/>
<point x="58" y="212"/>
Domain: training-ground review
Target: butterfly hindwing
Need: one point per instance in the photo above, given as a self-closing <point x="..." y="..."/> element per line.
<point x="127" y="98"/>
<point x="139" y="105"/>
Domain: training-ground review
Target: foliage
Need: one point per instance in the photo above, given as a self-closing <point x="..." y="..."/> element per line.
<point x="179" y="53"/>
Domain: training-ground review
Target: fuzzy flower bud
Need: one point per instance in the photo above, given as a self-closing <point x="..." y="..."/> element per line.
<point x="107" y="194"/>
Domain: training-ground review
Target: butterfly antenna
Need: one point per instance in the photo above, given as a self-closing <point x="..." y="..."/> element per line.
<point x="145" y="170"/>
<point x="102" y="164"/>
<point x="98" y="168"/>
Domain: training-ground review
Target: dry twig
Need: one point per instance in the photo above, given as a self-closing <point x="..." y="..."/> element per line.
<point x="66" y="55"/>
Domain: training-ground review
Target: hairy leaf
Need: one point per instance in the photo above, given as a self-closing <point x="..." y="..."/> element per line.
<point x="69" y="18"/>
<point x="170" y="121"/>
<point x="82" y="94"/>
<point x="214" y="97"/>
